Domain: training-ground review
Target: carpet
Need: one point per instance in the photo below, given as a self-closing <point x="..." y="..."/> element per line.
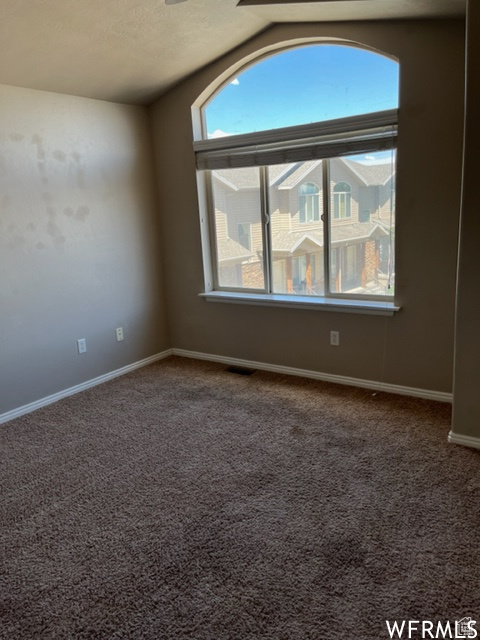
<point x="185" y="501"/>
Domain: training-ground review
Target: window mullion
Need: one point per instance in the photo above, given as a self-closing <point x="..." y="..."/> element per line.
<point x="266" y="235"/>
<point x="326" y="224"/>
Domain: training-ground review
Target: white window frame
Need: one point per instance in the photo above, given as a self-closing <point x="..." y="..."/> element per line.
<point x="339" y="196"/>
<point x="366" y="133"/>
<point x="308" y="202"/>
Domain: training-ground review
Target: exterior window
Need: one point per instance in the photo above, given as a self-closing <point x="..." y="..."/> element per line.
<point x="364" y="216"/>
<point x="338" y="254"/>
<point x="244" y="235"/>
<point x="309" y="202"/>
<point x="342" y="200"/>
<point x="237" y="267"/>
<point x="306" y="208"/>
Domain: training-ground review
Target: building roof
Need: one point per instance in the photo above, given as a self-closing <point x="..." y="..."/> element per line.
<point x="288" y="176"/>
<point x="228" y="249"/>
<point x="371" y="174"/>
<point x="297" y="172"/>
<point x="356" y="231"/>
<point x="290" y="241"/>
<point x="248" y="178"/>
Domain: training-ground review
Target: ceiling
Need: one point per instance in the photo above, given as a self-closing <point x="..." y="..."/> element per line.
<point x="133" y="50"/>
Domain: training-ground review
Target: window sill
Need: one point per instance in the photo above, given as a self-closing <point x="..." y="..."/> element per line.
<point x="338" y="305"/>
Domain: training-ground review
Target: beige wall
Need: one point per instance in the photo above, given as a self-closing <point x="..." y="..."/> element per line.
<point x="413" y="348"/>
<point x="79" y="242"/>
<point x="466" y="406"/>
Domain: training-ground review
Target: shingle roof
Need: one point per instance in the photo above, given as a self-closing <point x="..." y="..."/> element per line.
<point x="356" y="231"/>
<point x="286" y="241"/>
<point x="372" y="174"/>
<point x="287" y="176"/>
<point x="247" y="177"/>
<point x="228" y="249"/>
<point x="296" y="173"/>
<point x="289" y="241"/>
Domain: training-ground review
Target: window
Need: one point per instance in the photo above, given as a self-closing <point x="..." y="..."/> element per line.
<point x="309" y="209"/>
<point x="309" y="202"/>
<point x="237" y="205"/>
<point x="365" y="215"/>
<point x="342" y="196"/>
<point x="244" y="235"/>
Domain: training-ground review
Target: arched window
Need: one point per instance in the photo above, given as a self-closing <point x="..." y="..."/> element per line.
<point x="309" y="202"/>
<point x="342" y="200"/>
<point x="270" y="138"/>
<point x="300" y="85"/>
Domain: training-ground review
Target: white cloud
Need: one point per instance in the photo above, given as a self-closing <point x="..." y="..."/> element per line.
<point x="235" y="82"/>
<point x="368" y="160"/>
<point x="218" y="133"/>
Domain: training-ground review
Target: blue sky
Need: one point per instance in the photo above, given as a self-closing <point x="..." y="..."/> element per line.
<point x="303" y="85"/>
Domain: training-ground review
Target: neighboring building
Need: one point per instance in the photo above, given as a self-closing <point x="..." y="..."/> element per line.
<point x="361" y="227"/>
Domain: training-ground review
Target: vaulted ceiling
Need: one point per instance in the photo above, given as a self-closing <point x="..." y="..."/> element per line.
<point x="133" y="50"/>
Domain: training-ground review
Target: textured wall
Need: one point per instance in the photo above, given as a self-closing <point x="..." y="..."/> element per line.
<point x="132" y="50"/>
<point x="79" y="242"/>
<point x="415" y="347"/>
<point x="120" y="50"/>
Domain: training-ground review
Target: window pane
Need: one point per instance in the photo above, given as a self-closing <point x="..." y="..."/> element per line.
<point x="311" y="83"/>
<point x="238" y="228"/>
<point x="362" y="227"/>
<point x="296" y="228"/>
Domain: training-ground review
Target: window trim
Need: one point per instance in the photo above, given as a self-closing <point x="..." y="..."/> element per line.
<point x="324" y="137"/>
<point x="318" y="303"/>
<point x="225" y="77"/>
<point x="337" y="201"/>
<point x="314" y="198"/>
<point x="343" y="136"/>
<point x="353" y="303"/>
<point x="217" y="84"/>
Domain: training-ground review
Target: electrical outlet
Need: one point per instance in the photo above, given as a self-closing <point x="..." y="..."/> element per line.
<point x="119" y="333"/>
<point x="82" y="345"/>
<point x="335" y="338"/>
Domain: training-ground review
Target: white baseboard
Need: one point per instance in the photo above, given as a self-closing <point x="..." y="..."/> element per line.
<point x="252" y="364"/>
<point x="32" y="406"/>
<point x="465" y="441"/>
<point x="440" y="396"/>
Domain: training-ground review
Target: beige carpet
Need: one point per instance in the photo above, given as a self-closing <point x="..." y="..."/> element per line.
<point x="183" y="501"/>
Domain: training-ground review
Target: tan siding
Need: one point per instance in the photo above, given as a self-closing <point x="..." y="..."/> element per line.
<point x="220" y="225"/>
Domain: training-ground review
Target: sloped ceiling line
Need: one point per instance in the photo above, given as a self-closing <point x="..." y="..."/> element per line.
<point x="134" y="50"/>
